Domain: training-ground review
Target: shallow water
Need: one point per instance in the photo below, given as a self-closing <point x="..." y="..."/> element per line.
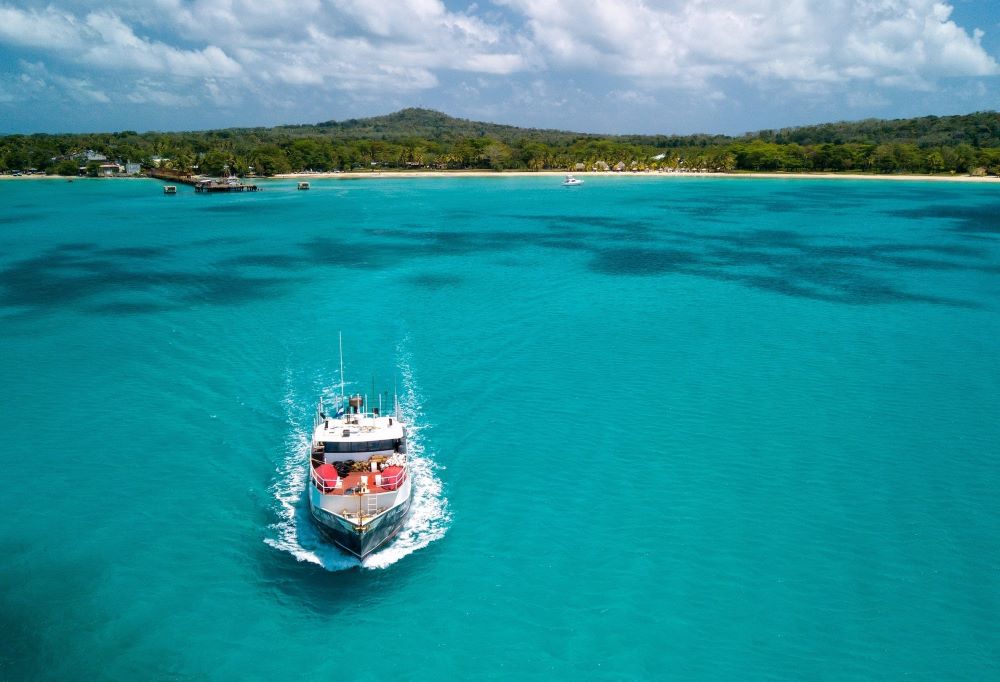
<point x="697" y="428"/>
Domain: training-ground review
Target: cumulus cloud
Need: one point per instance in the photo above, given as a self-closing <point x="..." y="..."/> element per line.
<point x="234" y="53"/>
<point x="35" y="80"/>
<point x="902" y="43"/>
<point x="352" y="46"/>
<point x="45" y="28"/>
<point x="103" y="41"/>
<point x="148" y="91"/>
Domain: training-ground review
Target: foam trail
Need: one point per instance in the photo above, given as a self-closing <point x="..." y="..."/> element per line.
<point x="429" y="517"/>
<point x="294" y="531"/>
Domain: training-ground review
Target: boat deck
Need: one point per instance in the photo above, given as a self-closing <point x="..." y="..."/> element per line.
<point x="349" y="483"/>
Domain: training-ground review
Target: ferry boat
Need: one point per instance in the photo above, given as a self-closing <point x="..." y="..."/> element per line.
<point x="360" y="488"/>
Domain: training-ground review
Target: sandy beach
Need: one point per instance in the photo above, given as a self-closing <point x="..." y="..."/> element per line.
<point x="585" y="174"/>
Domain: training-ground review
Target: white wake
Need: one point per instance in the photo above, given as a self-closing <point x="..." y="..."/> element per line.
<point x="294" y="531"/>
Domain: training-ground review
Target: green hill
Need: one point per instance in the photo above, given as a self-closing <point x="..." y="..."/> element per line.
<point x="979" y="130"/>
<point x="428" y="124"/>
<point x="422" y="138"/>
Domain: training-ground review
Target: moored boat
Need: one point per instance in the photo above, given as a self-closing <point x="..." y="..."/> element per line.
<point x="360" y="488"/>
<point x="303" y="185"/>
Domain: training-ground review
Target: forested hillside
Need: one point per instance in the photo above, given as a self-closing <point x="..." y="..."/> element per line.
<point x="419" y="138"/>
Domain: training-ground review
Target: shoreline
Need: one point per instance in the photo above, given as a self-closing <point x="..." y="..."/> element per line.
<point x="641" y="174"/>
<point x="551" y="173"/>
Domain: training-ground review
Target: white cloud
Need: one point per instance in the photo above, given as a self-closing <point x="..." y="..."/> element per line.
<point x="35" y="80"/>
<point x="898" y="43"/>
<point x="160" y="94"/>
<point x="345" y="45"/>
<point x="498" y="64"/>
<point x="218" y="95"/>
<point x="630" y="97"/>
<point x="43" y="29"/>
<point x="82" y="90"/>
<point x="863" y="99"/>
<point x="272" y="55"/>
<point x="102" y="40"/>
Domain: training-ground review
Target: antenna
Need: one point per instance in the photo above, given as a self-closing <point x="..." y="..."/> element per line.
<point x="395" y="399"/>
<point x="340" y="337"/>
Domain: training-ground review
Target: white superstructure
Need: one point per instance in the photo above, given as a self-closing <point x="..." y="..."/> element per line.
<point x="360" y="488"/>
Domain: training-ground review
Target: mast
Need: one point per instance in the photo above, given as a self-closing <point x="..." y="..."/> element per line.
<point x="340" y="337"/>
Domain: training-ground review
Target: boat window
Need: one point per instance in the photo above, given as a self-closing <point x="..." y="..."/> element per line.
<point x="359" y="446"/>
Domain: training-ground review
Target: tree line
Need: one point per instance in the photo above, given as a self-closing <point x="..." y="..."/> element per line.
<point x="414" y="139"/>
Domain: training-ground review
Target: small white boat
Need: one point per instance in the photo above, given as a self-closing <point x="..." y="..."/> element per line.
<point x="303" y="185"/>
<point x="170" y="189"/>
<point x="570" y="180"/>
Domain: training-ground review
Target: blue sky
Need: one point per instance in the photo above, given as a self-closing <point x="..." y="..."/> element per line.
<point x="606" y="66"/>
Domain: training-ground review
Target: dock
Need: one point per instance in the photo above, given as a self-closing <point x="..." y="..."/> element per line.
<point x="226" y="185"/>
<point x="202" y="184"/>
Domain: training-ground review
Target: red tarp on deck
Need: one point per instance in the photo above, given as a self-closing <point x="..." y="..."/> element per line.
<point x="327" y="475"/>
<point x="392" y="477"/>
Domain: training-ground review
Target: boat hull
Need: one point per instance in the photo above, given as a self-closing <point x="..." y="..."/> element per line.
<point x="364" y="541"/>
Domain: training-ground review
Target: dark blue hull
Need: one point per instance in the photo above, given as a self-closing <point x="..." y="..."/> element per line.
<point x="361" y="543"/>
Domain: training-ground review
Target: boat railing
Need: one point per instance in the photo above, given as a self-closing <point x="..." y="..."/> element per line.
<point x="366" y="416"/>
<point x="366" y="421"/>
<point x="364" y="506"/>
<point x="358" y="418"/>
<point x="330" y="485"/>
<point x="319" y="416"/>
<point x="326" y="485"/>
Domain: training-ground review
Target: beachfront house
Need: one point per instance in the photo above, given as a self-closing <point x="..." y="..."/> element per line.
<point x="132" y="168"/>
<point x="107" y="170"/>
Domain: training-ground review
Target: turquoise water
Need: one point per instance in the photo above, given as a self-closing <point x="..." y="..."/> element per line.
<point x="664" y="428"/>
